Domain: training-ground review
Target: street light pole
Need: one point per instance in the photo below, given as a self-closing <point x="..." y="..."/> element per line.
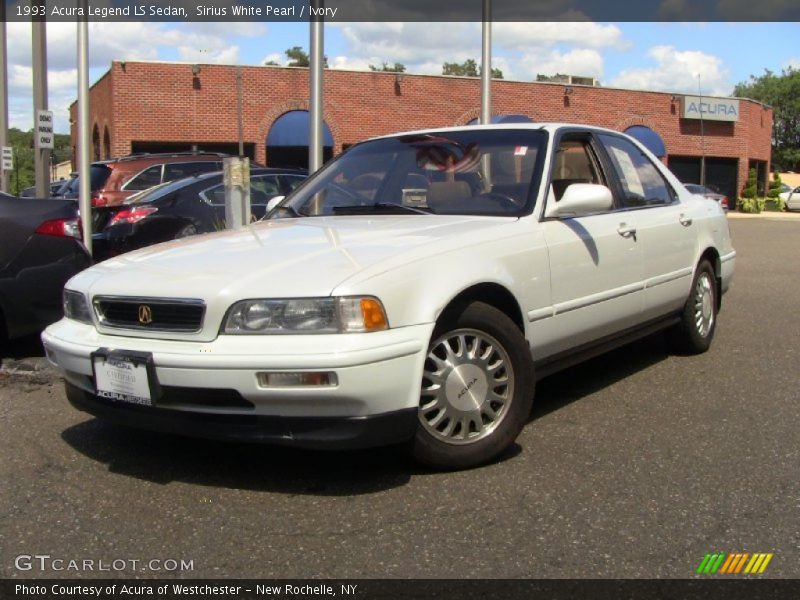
<point x="39" y="62"/>
<point x="486" y="64"/>
<point x="702" y="136"/>
<point x="4" y="176"/>
<point x="316" y="66"/>
<point x="84" y="177"/>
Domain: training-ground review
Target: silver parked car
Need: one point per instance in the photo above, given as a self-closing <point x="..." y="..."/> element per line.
<point x="710" y="192"/>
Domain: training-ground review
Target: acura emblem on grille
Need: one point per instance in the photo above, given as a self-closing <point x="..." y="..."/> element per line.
<point x="145" y="314"/>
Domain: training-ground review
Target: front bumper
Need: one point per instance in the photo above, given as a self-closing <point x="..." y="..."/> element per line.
<point x="303" y="432"/>
<point x="213" y="390"/>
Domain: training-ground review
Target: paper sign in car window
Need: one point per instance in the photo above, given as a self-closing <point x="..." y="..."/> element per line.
<point x="628" y="171"/>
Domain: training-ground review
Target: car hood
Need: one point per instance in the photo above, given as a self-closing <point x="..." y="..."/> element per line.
<point x="279" y="258"/>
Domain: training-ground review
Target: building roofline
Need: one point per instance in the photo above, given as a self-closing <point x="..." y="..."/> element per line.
<point x="406" y="74"/>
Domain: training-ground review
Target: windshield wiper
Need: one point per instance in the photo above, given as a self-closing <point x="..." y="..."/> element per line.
<point x="389" y="207"/>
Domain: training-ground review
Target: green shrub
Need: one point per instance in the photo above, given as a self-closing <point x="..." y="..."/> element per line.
<point x="751" y="205"/>
<point x="751" y="187"/>
<point x="775" y="187"/>
<point x="776" y="204"/>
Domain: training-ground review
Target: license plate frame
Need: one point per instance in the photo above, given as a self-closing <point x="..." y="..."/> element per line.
<point x="125" y="376"/>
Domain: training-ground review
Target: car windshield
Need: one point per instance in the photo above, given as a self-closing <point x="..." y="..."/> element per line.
<point x="695" y="188"/>
<point x="466" y="172"/>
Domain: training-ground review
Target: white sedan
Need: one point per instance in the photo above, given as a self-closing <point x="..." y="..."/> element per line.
<point x="413" y="290"/>
<point x="792" y="198"/>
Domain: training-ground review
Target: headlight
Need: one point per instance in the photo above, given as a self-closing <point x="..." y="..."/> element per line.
<point x="77" y="307"/>
<point x="306" y="315"/>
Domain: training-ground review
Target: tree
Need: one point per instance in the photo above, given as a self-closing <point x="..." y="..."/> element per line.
<point x="469" y="68"/>
<point x="386" y="67"/>
<point x="299" y="58"/>
<point x="782" y="93"/>
<point x="21" y="142"/>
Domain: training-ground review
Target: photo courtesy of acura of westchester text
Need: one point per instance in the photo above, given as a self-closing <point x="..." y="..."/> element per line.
<point x="382" y="299"/>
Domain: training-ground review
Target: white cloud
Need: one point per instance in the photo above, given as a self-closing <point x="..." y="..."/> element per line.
<point x="413" y="43"/>
<point x="677" y="71"/>
<point x="792" y="63"/>
<point x="581" y="34"/>
<point x="583" y="62"/>
<point x="276" y="58"/>
<point x="520" y="50"/>
<point x="190" y="42"/>
<point x="351" y="64"/>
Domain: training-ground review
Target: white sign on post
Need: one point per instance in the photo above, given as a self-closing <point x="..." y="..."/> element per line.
<point x="8" y="159"/>
<point x="44" y="129"/>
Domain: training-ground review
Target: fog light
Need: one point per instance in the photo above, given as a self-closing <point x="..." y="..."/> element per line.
<point x="297" y="379"/>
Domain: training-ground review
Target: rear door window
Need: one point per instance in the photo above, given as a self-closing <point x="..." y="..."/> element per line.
<point x="146" y="179"/>
<point x="180" y="170"/>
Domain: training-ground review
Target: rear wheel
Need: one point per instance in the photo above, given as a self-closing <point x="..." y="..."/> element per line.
<point x="694" y="333"/>
<point x="477" y="389"/>
<point x="186" y="231"/>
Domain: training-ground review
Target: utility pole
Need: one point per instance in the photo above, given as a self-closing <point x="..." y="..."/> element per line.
<point x="84" y="178"/>
<point x="39" y="63"/>
<point x="486" y="64"/>
<point x="702" y="136"/>
<point x="316" y="65"/>
<point x="239" y="110"/>
<point x="4" y="176"/>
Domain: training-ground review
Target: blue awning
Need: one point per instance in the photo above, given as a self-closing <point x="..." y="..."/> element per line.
<point x="649" y="139"/>
<point x="292" y="129"/>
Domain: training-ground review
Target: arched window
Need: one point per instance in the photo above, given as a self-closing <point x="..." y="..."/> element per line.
<point x="649" y="139"/>
<point x="95" y="143"/>
<point x="287" y="141"/>
<point x="106" y="144"/>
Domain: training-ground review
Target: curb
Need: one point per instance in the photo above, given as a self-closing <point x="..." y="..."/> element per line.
<point x="771" y="215"/>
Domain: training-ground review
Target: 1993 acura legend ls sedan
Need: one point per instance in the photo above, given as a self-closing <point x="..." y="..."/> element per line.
<point x="413" y="290"/>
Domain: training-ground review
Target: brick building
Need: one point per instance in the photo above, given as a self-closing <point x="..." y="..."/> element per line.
<point x="157" y="106"/>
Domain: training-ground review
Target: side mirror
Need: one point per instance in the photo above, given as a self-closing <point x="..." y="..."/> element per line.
<point x="581" y="199"/>
<point x="273" y="202"/>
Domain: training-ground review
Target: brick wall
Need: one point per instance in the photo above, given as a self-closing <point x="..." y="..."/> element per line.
<point x="143" y="101"/>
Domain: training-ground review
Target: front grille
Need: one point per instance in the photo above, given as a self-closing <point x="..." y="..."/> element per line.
<point x="150" y="314"/>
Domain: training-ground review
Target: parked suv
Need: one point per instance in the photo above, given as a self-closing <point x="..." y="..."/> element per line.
<point x="112" y="181"/>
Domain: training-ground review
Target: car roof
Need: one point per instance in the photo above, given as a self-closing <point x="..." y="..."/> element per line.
<point x="550" y="126"/>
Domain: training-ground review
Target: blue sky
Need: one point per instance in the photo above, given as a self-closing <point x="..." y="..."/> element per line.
<point x="657" y="56"/>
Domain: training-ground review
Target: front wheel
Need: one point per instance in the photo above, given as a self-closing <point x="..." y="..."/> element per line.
<point x="694" y="333"/>
<point x="477" y="389"/>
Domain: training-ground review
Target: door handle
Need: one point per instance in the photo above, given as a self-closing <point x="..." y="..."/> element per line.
<point x="627" y="231"/>
<point x="684" y="220"/>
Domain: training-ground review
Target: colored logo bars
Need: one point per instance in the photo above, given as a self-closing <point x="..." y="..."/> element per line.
<point x="734" y="563"/>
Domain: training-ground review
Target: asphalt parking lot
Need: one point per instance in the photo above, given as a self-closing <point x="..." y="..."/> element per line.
<point x="635" y="464"/>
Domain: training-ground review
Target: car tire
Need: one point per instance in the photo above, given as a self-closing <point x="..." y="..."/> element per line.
<point x="186" y="231"/>
<point x="695" y="331"/>
<point x="477" y="389"/>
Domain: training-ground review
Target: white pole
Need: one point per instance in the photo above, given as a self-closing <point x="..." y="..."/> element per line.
<point x="486" y="64"/>
<point x="39" y="63"/>
<point x="316" y="65"/>
<point x="84" y="177"/>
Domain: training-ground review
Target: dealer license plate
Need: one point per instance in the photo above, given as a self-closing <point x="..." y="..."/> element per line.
<point x="126" y="377"/>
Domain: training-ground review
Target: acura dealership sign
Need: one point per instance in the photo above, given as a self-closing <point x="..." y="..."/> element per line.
<point x="710" y="109"/>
